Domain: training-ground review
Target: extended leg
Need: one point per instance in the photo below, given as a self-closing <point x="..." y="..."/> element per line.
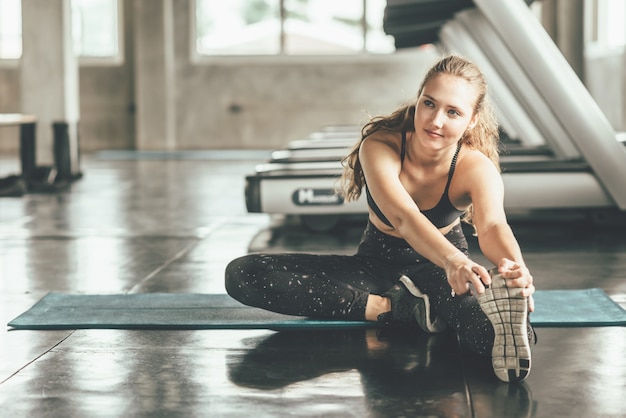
<point x="321" y="286"/>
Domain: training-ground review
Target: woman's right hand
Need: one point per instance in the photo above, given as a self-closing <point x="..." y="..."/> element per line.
<point x="464" y="274"/>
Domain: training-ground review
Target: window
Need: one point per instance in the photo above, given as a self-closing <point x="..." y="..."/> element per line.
<point x="10" y="29"/>
<point x="614" y="16"/>
<point x="290" y="27"/>
<point x="607" y="23"/>
<point x="95" y="29"/>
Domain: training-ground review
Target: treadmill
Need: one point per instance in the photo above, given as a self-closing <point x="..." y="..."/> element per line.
<point x="565" y="154"/>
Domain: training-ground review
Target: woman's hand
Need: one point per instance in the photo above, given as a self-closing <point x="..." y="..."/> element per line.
<point x="518" y="275"/>
<point x="464" y="274"/>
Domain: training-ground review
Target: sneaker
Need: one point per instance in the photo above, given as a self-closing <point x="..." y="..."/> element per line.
<point x="409" y="305"/>
<point x="507" y="310"/>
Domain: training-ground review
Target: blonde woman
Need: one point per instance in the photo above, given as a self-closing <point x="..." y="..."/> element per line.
<point x="424" y="168"/>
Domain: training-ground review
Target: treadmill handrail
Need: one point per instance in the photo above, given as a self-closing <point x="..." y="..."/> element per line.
<point x="334" y="168"/>
<point x="512" y="116"/>
<point x="564" y="92"/>
<point x="523" y="89"/>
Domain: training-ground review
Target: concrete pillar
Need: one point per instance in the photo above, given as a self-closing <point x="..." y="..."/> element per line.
<point x="564" y="21"/>
<point x="154" y="75"/>
<point x="49" y="78"/>
<point x="548" y="17"/>
<point x="571" y="34"/>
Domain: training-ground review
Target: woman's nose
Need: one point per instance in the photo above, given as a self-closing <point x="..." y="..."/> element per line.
<point x="437" y="119"/>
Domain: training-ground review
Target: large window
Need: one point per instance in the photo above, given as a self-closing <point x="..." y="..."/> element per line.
<point x="10" y="29"/>
<point x="607" y="23"/>
<point x="96" y="29"/>
<point x="290" y="27"/>
<point x="613" y="13"/>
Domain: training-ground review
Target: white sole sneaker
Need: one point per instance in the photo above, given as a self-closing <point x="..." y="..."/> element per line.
<point x="507" y="310"/>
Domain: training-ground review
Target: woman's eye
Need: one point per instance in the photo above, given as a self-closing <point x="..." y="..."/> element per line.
<point x="454" y="112"/>
<point x="429" y="103"/>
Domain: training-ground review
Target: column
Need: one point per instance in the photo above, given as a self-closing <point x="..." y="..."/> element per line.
<point x="564" y="21"/>
<point x="154" y="75"/>
<point x="49" y="82"/>
<point x="570" y="34"/>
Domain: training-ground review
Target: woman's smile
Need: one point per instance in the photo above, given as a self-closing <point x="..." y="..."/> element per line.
<point x="433" y="134"/>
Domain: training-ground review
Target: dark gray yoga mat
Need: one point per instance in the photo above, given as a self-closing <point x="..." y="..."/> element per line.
<point x="553" y="308"/>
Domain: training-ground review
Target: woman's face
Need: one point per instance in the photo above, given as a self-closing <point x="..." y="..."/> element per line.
<point x="445" y="110"/>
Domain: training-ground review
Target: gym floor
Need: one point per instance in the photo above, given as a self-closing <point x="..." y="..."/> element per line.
<point x="133" y="225"/>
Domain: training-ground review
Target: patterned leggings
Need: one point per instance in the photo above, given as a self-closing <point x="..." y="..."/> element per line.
<point x="337" y="286"/>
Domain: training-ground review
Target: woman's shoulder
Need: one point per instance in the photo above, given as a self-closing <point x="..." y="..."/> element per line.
<point x="383" y="138"/>
<point x="381" y="146"/>
<point x="474" y="155"/>
<point x="474" y="161"/>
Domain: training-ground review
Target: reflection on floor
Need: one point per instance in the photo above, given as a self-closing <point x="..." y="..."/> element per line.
<point x="134" y="226"/>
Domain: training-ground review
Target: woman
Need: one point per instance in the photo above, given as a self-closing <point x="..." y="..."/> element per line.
<point x="423" y="167"/>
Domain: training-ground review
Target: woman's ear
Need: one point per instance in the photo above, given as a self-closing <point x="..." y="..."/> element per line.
<point x="473" y="121"/>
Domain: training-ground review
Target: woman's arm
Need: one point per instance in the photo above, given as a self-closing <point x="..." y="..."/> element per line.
<point x="495" y="237"/>
<point x="379" y="156"/>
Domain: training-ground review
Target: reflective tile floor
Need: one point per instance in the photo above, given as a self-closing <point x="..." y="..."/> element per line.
<point x="147" y="225"/>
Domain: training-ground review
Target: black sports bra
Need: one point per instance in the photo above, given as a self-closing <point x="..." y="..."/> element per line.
<point x="443" y="214"/>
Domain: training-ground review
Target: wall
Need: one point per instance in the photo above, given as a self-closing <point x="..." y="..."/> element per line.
<point x="107" y="103"/>
<point x="605" y="81"/>
<point x="264" y="103"/>
<point x="9" y="103"/>
<point x="259" y="104"/>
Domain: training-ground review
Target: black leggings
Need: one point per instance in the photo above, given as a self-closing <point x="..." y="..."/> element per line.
<point x="337" y="286"/>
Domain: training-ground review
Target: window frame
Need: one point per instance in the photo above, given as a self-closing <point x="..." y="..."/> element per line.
<point x="596" y="44"/>
<point x="87" y="61"/>
<point x="110" y="61"/>
<point x="12" y="62"/>
<point x="361" y="56"/>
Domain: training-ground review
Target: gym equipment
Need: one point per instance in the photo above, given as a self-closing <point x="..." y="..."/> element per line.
<point x="560" y="150"/>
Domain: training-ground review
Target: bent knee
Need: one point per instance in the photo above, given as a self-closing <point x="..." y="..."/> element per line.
<point x="239" y="273"/>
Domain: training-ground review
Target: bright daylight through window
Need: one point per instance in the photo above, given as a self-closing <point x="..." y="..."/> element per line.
<point x="95" y="29"/>
<point x="10" y="29"/>
<point x="291" y="27"/>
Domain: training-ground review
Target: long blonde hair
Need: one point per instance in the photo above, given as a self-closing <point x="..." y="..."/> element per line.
<point x="484" y="136"/>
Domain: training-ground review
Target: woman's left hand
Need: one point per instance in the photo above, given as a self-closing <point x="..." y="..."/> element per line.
<point x="518" y="275"/>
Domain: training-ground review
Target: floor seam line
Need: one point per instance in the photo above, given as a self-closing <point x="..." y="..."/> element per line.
<point x="176" y="257"/>
<point x="38" y="357"/>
